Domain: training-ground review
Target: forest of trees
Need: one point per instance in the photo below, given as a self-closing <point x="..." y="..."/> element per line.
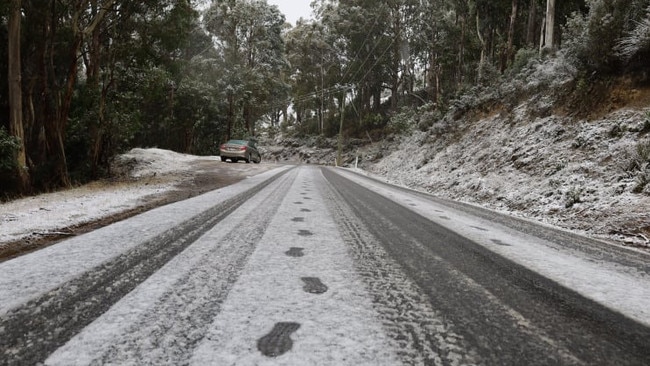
<point x="88" y="79"/>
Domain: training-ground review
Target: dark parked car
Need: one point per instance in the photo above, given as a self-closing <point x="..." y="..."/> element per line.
<point x="236" y="150"/>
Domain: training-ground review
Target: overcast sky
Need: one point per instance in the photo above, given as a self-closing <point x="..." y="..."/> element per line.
<point x="293" y="9"/>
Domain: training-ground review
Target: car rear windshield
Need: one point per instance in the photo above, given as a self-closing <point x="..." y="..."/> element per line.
<point x="236" y="142"/>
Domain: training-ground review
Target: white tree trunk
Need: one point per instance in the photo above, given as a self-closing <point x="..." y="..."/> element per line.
<point x="550" y="25"/>
<point x="15" y="91"/>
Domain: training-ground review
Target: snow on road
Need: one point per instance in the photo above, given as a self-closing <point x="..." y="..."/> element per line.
<point x="146" y="175"/>
<point x="336" y="327"/>
<point x="335" y="323"/>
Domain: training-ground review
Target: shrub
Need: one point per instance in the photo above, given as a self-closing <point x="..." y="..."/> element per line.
<point x="591" y="39"/>
<point x="637" y="40"/>
<point x="637" y="163"/>
<point x="404" y="121"/>
<point x="642" y="181"/>
<point x="573" y="196"/>
<point x="9" y="146"/>
<point x="523" y="58"/>
<point x="641" y="156"/>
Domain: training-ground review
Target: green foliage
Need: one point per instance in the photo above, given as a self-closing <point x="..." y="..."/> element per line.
<point x="9" y="146"/>
<point x="409" y="118"/>
<point x="252" y="51"/>
<point x="523" y="58"/>
<point x="608" y="34"/>
<point x="637" y="40"/>
<point x="403" y="122"/>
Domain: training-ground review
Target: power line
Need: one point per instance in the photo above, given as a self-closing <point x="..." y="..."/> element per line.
<point x="340" y="85"/>
<point x="362" y="45"/>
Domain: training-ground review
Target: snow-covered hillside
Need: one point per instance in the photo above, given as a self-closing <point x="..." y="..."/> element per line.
<point x="573" y="174"/>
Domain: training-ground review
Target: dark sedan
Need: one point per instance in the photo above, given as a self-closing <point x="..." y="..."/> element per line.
<point x="236" y="150"/>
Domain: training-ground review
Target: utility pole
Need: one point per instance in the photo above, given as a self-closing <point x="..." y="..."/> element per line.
<point x="338" y="155"/>
<point x="322" y="97"/>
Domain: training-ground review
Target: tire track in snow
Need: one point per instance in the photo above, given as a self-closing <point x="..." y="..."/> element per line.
<point x="420" y="333"/>
<point x="164" y="330"/>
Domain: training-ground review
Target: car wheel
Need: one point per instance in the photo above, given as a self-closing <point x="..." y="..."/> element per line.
<point x="259" y="160"/>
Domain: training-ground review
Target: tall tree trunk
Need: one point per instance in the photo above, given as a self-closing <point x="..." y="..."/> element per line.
<point x="433" y="87"/>
<point x="246" y="114"/>
<point x="56" y="131"/>
<point x="531" y="24"/>
<point x="461" y="52"/>
<point x="16" y="94"/>
<point x="549" y="26"/>
<point x="510" y="54"/>
<point x="93" y="76"/>
<point x="397" y="45"/>
<point x="231" y="115"/>
<point x="41" y="96"/>
<point x="483" y="59"/>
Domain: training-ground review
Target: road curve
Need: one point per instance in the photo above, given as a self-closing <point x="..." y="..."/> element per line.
<point x="321" y="266"/>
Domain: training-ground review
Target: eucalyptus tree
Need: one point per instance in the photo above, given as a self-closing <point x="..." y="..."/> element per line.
<point x="53" y="38"/>
<point x="364" y="47"/>
<point x="548" y="33"/>
<point x="82" y="64"/>
<point x="493" y="22"/>
<point x="434" y="45"/>
<point x="14" y="76"/>
<point x="137" y="40"/>
<point x="315" y="69"/>
<point x="249" y="37"/>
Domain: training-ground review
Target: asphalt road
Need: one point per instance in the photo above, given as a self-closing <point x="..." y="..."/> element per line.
<point x="322" y="266"/>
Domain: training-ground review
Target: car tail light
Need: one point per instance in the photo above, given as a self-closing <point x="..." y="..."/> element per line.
<point x="242" y="148"/>
<point x="222" y="147"/>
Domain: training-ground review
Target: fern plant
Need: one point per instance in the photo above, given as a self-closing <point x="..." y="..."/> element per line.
<point x="637" y="40"/>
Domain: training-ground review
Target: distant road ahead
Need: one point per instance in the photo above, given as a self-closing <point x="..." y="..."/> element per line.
<point x="323" y="266"/>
